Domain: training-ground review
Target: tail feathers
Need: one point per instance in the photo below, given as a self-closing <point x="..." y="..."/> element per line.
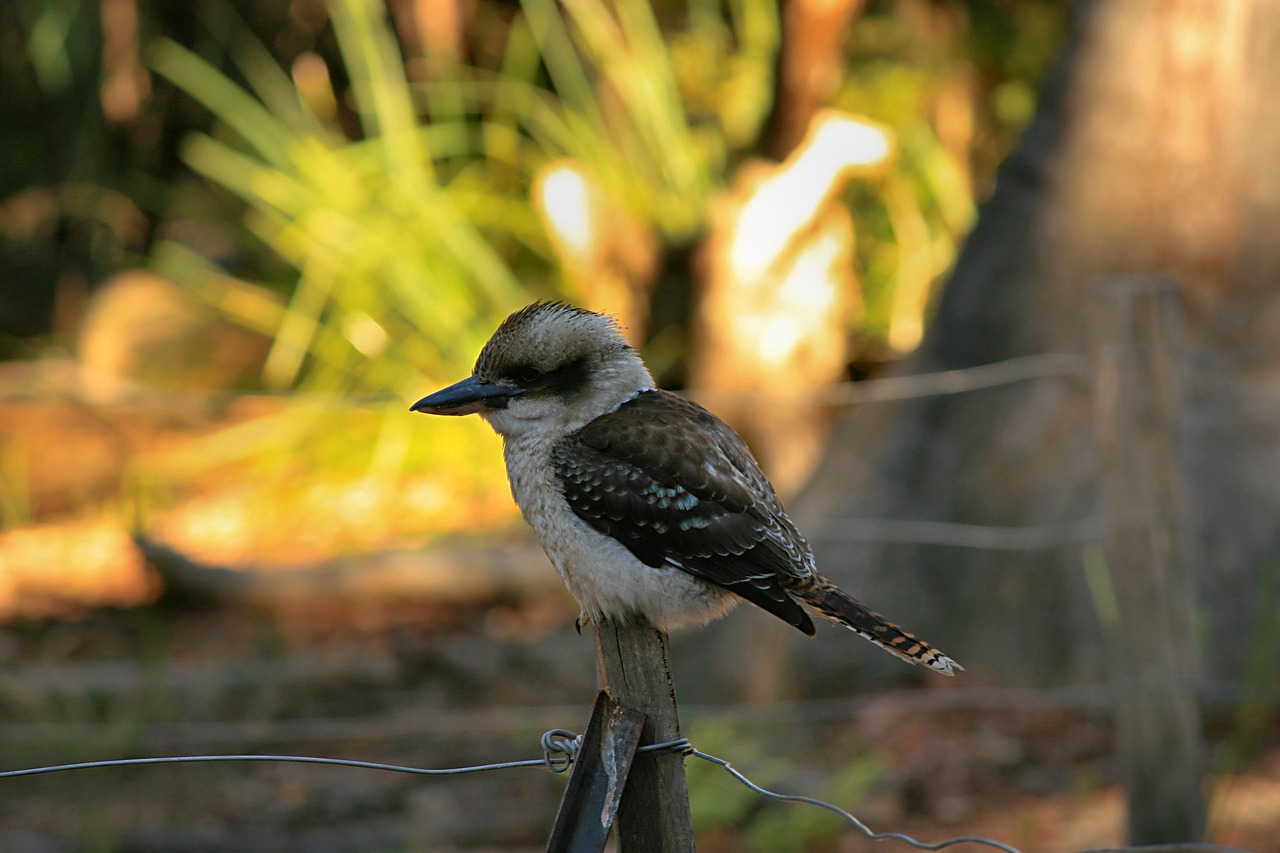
<point x="842" y="608"/>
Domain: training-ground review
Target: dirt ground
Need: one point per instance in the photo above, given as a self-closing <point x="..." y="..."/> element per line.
<point x="476" y="687"/>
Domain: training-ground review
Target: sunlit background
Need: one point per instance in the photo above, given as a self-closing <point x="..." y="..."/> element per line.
<point x="238" y="239"/>
<point x="242" y="236"/>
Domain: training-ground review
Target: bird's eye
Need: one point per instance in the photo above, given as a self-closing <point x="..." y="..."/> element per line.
<point x="526" y="374"/>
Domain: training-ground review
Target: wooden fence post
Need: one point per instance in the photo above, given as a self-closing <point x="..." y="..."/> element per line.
<point x="1154" y="651"/>
<point x="635" y="671"/>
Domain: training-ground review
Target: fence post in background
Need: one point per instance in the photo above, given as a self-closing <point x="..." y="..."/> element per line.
<point x="1138" y="325"/>
<point x="635" y="671"/>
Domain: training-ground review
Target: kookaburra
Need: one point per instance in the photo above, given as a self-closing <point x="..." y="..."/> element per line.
<point x="646" y="503"/>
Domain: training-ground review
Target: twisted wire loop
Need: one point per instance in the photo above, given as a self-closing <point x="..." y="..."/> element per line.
<point x="559" y="749"/>
<point x="679" y="745"/>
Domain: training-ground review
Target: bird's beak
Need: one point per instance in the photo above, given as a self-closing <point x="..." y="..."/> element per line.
<point x="465" y="398"/>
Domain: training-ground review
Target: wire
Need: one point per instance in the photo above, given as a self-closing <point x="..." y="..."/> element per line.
<point x="857" y="824"/>
<point x="1043" y="365"/>
<point x="911" y="386"/>
<point x="986" y="537"/>
<point x="296" y="759"/>
<point x="963" y="839"/>
<point x="560" y="748"/>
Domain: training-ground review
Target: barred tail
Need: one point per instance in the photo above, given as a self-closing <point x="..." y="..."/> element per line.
<point x="842" y="608"/>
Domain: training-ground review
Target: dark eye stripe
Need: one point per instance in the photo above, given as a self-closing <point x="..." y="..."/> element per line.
<point x="567" y="379"/>
<point x="526" y="374"/>
<point x="564" y="380"/>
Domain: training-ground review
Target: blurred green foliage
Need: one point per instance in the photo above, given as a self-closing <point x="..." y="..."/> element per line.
<point x="409" y="236"/>
<point x="422" y="191"/>
<point x="394" y="279"/>
<point x="364" y="201"/>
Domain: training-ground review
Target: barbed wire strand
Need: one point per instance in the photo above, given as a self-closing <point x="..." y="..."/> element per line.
<point x="560" y="747"/>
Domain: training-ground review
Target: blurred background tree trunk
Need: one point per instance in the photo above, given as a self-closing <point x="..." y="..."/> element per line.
<point x="1153" y="149"/>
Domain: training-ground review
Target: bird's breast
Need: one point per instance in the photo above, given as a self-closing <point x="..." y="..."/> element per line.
<point x="605" y="578"/>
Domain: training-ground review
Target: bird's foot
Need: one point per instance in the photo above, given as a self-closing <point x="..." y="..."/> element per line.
<point x="583" y="619"/>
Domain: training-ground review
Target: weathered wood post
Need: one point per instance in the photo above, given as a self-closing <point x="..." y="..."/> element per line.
<point x="1154" y="652"/>
<point x="635" y="671"/>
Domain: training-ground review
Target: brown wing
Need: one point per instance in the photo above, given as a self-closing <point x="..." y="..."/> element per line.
<point x="678" y="487"/>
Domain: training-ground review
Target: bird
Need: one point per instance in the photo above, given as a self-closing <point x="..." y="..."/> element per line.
<point x="647" y="504"/>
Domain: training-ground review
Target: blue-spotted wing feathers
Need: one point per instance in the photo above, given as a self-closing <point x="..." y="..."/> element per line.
<point x="678" y="487"/>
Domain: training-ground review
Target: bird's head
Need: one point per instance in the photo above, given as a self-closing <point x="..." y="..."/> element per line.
<point x="549" y="369"/>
